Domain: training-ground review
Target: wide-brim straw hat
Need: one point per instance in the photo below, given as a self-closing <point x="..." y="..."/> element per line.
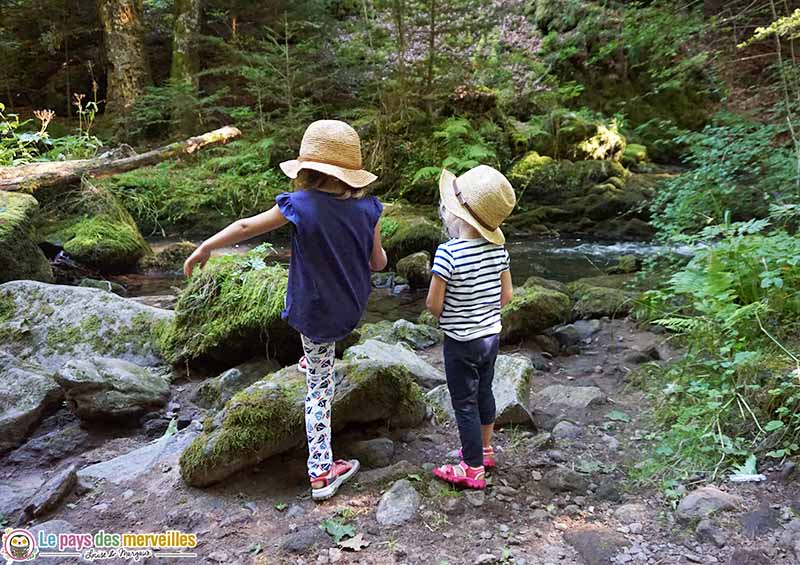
<point x="482" y="197"/>
<point x="334" y="148"/>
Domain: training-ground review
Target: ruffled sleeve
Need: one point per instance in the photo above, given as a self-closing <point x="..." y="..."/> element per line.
<point x="285" y="205"/>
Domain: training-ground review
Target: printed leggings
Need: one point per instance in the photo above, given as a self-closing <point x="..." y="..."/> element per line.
<point x="320" y="379"/>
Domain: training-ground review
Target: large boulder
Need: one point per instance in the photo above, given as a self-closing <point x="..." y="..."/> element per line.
<point x="106" y="243"/>
<point x="407" y="229"/>
<point x="267" y="417"/>
<point x="580" y="139"/>
<point x="416" y="269"/>
<point x="513" y="377"/>
<point x="111" y="389"/>
<point x="20" y="257"/>
<point x="561" y="402"/>
<point x="536" y="306"/>
<point x="597" y="297"/>
<point x="217" y="391"/>
<point x="170" y="259"/>
<point x="374" y="350"/>
<point x="48" y="325"/>
<point x="417" y="336"/>
<point x="229" y="310"/>
<point x="27" y="395"/>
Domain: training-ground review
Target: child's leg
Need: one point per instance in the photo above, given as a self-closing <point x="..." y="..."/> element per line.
<point x="320" y="381"/>
<point x="486" y="405"/>
<point x="462" y="382"/>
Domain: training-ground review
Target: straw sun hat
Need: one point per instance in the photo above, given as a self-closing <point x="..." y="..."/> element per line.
<point x="334" y="148"/>
<point x="482" y="197"/>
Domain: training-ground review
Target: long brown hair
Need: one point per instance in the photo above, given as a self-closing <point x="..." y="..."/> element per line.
<point x="311" y="179"/>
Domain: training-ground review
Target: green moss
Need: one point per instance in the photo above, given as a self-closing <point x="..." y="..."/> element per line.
<point x="105" y="243"/>
<point x="8" y="308"/>
<point x="20" y="257"/>
<point x="533" y="309"/>
<point x="230" y="303"/>
<point x="65" y="339"/>
<point x="408" y="229"/>
<point x="634" y="153"/>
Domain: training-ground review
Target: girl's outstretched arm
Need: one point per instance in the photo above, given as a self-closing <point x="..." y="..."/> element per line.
<point x="238" y="231"/>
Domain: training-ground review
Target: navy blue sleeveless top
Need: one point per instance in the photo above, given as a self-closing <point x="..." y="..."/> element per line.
<point x="329" y="272"/>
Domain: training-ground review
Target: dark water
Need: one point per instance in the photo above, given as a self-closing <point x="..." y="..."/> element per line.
<point x="558" y="259"/>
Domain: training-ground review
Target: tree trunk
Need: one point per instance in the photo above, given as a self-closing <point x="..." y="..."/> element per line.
<point x="183" y="73"/>
<point x="128" y="70"/>
<point x="31" y="177"/>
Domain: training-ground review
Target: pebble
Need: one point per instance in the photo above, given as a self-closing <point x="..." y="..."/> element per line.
<point x="127" y="494"/>
<point x="485" y="558"/>
<point x="635" y="528"/>
<point x="334" y="555"/>
<point x="476" y="498"/>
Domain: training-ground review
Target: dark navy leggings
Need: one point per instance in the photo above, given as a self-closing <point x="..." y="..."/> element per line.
<point x="469" y="366"/>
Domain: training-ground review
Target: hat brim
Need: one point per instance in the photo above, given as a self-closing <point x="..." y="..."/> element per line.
<point x="448" y="195"/>
<point x="357" y="178"/>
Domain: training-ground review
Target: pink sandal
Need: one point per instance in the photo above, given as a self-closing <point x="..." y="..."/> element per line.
<point x="462" y="475"/>
<point x="488" y="457"/>
<point x="340" y="473"/>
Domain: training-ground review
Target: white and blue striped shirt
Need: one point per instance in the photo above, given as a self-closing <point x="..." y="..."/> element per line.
<point x="471" y="268"/>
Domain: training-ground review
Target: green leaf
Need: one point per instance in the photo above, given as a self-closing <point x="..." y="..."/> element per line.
<point x="337" y="529"/>
<point x="281" y="506"/>
<point x="414" y="477"/>
<point x="773" y="425"/>
<point x="618" y="416"/>
<point x="749" y="467"/>
<point x="255" y="549"/>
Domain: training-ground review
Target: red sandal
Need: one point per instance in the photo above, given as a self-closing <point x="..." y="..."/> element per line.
<point x="340" y="473"/>
<point x="488" y="457"/>
<point x="462" y="475"/>
<point x="302" y="364"/>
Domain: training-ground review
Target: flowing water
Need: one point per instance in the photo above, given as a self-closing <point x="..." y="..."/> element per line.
<point x="558" y="259"/>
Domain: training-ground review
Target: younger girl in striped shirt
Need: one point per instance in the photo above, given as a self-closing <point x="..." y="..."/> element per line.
<point x="471" y="282"/>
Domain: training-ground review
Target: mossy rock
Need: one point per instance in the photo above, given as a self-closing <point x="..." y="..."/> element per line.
<point x="626" y="264"/>
<point x="20" y="256"/>
<point x="228" y="310"/>
<point x="267" y="418"/>
<point x="580" y="139"/>
<point x="601" y="296"/>
<point x="104" y="243"/>
<point x="634" y="154"/>
<point x="428" y="319"/>
<point x="542" y="181"/>
<point x="217" y="391"/>
<point x="416" y="269"/>
<point x="49" y="324"/>
<point x="534" y="308"/>
<point x="409" y="229"/>
<point x="168" y="260"/>
<point x="418" y="336"/>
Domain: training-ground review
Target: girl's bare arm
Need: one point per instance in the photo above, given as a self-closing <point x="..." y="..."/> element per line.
<point x="238" y="231"/>
<point x="378" y="260"/>
<point x="506" y="288"/>
<point x="435" y="300"/>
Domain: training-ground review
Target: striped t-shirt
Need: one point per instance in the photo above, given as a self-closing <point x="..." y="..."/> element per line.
<point x="471" y="268"/>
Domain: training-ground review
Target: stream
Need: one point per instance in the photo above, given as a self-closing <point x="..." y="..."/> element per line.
<point x="563" y="260"/>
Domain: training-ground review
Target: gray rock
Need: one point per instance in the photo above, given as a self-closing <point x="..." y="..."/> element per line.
<point x="708" y="532"/>
<point x="704" y="502"/>
<point x="53" y="527"/>
<point x="267" y="417"/>
<point x="295" y="511"/>
<point x="52" y="324"/>
<point x="562" y="402"/>
<point x="630" y="513"/>
<point x="13" y="498"/>
<point x="476" y="498"/>
<point x="373" y="350"/>
<point x="20" y="256"/>
<point x="129" y="466"/>
<point x="513" y="376"/>
<point x="564" y="479"/>
<point x="392" y="472"/>
<point x="566" y="430"/>
<point x="761" y="521"/>
<point x="789" y="471"/>
<point x="416" y="336"/>
<point x="27" y="395"/>
<point x="102" y="388"/>
<point x="484" y="558"/>
<point x="597" y="546"/>
<point x="398" y="505"/>
<point x="50" y="495"/>
<point x="742" y="556"/>
<point x="416" y="269"/>
<point x="790" y="538"/>
<point x="46" y="449"/>
<point x="215" y="392"/>
<point x="305" y="539"/>
<point x="373" y="453"/>
<point x="576" y="332"/>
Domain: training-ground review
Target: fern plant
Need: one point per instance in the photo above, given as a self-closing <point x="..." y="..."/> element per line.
<point x="464" y="147"/>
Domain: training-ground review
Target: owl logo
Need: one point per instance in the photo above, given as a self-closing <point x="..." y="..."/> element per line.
<point x="18" y="545"/>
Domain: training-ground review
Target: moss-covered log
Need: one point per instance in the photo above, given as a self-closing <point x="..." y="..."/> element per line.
<point x="28" y="178"/>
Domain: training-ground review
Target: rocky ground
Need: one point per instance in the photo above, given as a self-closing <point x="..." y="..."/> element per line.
<point x="560" y="494"/>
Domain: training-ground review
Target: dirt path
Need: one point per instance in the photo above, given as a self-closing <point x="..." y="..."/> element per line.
<point x="558" y="496"/>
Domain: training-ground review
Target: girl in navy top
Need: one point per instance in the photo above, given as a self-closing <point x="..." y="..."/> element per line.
<point x="336" y="244"/>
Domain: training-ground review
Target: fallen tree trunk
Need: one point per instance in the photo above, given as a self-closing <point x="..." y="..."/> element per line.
<point x="29" y="178"/>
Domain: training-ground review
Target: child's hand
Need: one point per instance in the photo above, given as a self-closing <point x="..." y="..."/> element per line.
<point x="199" y="257"/>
